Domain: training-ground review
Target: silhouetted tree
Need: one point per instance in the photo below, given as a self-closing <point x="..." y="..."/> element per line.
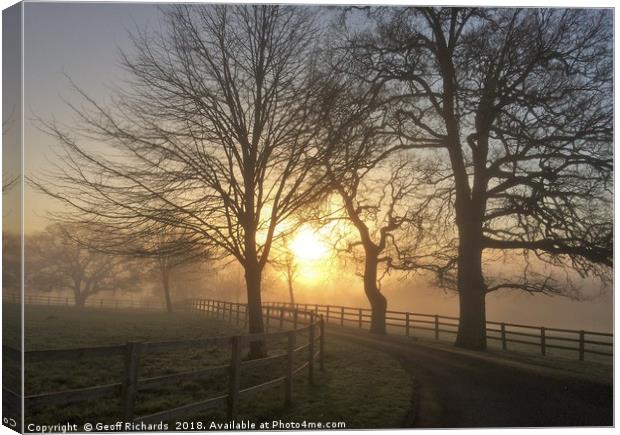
<point x="519" y="100"/>
<point x="211" y="134"/>
<point x="284" y="261"/>
<point x="11" y="262"/>
<point x="370" y="174"/>
<point x="57" y="262"/>
<point x="165" y="247"/>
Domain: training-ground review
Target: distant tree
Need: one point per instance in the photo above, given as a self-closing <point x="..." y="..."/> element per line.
<point x="164" y="247"/>
<point x="11" y="261"/>
<point x="56" y="261"/>
<point x="212" y="130"/>
<point x="286" y="264"/>
<point x="520" y="103"/>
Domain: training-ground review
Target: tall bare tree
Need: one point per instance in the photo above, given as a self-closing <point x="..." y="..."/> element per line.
<point x="519" y="100"/>
<point x="372" y="177"/>
<point x="210" y="134"/>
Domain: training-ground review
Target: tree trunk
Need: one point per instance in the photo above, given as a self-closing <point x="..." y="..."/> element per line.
<point x="255" y="314"/>
<point x="80" y="299"/>
<point x="378" y="303"/>
<point x="165" y="278"/>
<point x="291" y="293"/>
<point x="472" y="292"/>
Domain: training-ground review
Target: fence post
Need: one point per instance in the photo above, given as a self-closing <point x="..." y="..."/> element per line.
<point x="290" y="347"/>
<point x="503" y="332"/>
<point x="130" y="381"/>
<point x="237" y="315"/>
<point x="436" y="327"/>
<point x="322" y="344"/>
<point x="582" y="345"/>
<point x="295" y="319"/>
<point x="316" y="308"/>
<point x="407" y="323"/>
<point x="230" y="312"/>
<point x="543" y="344"/>
<point x="359" y="318"/>
<point x="281" y="319"/>
<point x="327" y="319"/>
<point x="311" y="351"/>
<point x="341" y="316"/>
<point x="268" y="315"/>
<point x="234" y="378"/>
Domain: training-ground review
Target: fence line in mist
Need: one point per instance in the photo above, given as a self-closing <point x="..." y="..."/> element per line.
<point x="408" y="323"/>
<point x="576" y="342"/>
<point x="107" y="303"/>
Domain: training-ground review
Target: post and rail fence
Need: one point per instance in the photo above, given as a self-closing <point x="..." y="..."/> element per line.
<point x="105" y="303"/>
<point x="132" y="384"/>
<point x="578" y="342"/>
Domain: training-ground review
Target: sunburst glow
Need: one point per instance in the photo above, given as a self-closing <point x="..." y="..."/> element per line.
<point x="308" y="246"/>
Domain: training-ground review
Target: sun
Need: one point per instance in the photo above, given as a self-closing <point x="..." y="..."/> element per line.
<point x="308" y="246"/>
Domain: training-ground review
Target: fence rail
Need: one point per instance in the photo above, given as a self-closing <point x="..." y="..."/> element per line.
<point x="302" y="322"/>
<point x="107" y="303"/>
<point x="580" y="342"/>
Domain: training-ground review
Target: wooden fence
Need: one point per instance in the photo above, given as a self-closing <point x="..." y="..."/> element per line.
<point x="578" y="342"/>
<point x="127" y="390"/>
<point x="109" y="303"/>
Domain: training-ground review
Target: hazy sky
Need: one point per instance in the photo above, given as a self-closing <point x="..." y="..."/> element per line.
<point x="82" y="41"/>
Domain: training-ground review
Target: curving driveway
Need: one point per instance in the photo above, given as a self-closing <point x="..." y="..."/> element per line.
<point x="457" y="389"/>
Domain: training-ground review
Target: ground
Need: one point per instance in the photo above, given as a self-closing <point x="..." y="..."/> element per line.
<point x="370" y="382"/>
<point x="362" y="387"/>
<point x="464" y="389"/>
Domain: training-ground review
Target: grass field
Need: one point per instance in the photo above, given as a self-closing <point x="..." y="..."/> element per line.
<point x="349" y="390"/>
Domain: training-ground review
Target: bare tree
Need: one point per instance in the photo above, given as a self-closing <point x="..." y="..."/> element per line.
<point x="168" y="248"/>
<point x="520" y="102"/>
<point x="57" y="262"/>
<point x="11" y="262"/>
<point x="284" y="261"/>
<point x="210" y="135"/>
<point x="372" y="177"/>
